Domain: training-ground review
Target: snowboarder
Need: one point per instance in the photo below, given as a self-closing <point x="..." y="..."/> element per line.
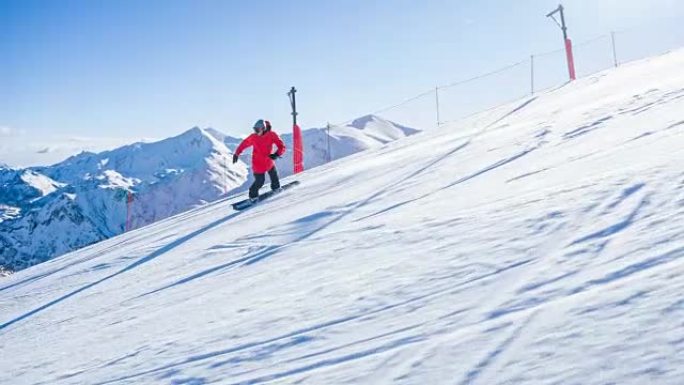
<point x="262" y="141"/>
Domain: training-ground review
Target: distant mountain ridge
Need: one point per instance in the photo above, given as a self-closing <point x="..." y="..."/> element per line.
<point x="48" y="211"/>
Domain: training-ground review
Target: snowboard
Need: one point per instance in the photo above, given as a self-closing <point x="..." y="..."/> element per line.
<point x="243" y="204"/>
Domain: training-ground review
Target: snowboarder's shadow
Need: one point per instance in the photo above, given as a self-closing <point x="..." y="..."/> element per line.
<point x="159" y="252"/>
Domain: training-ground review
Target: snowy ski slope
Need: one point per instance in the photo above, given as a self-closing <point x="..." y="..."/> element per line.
<point x="541" y="242"/>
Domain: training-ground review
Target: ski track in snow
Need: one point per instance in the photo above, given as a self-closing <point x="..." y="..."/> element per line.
<point x="540" y="242"/>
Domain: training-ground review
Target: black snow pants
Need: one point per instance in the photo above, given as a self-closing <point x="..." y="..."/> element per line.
<point x="259" y="180"/>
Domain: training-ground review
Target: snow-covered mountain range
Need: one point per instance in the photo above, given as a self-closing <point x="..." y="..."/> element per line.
<point x="48" y="211"/>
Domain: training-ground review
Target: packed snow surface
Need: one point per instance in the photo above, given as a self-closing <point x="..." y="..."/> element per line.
<point x="541" y="242"/>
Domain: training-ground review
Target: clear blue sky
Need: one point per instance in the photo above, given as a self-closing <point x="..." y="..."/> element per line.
<point x="154" y="68"/>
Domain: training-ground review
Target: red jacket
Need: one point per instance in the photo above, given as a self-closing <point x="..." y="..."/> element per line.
<point x="262" y="147"/>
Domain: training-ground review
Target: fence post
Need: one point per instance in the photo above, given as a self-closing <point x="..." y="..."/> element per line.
<point x="437" y="103"/>
<point x="612" y="42"/>
<point x="531" y="74"/>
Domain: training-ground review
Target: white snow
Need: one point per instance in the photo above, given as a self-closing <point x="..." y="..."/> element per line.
<point x="538" y="243"/>
<point x="8" y="212"/>
<point x="40" y="182"/>
<point x="25" y="185"/>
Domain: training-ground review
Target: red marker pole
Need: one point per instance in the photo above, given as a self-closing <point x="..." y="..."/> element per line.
<point x="570" y="59"/>
<point x="568" y="43"/>
<point x="298" y="147"/>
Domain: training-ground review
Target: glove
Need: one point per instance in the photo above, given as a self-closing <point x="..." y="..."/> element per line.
<point x="274" y="156"/>
<point x="235" y="159"/>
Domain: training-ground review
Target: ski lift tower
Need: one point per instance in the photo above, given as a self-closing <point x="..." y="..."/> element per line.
<point x="566" y="40"/>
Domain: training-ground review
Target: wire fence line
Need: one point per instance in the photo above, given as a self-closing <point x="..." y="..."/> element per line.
<point x="433" y="91"/>
<point x="541" y="71"/>
<point x="482" y="76"/>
